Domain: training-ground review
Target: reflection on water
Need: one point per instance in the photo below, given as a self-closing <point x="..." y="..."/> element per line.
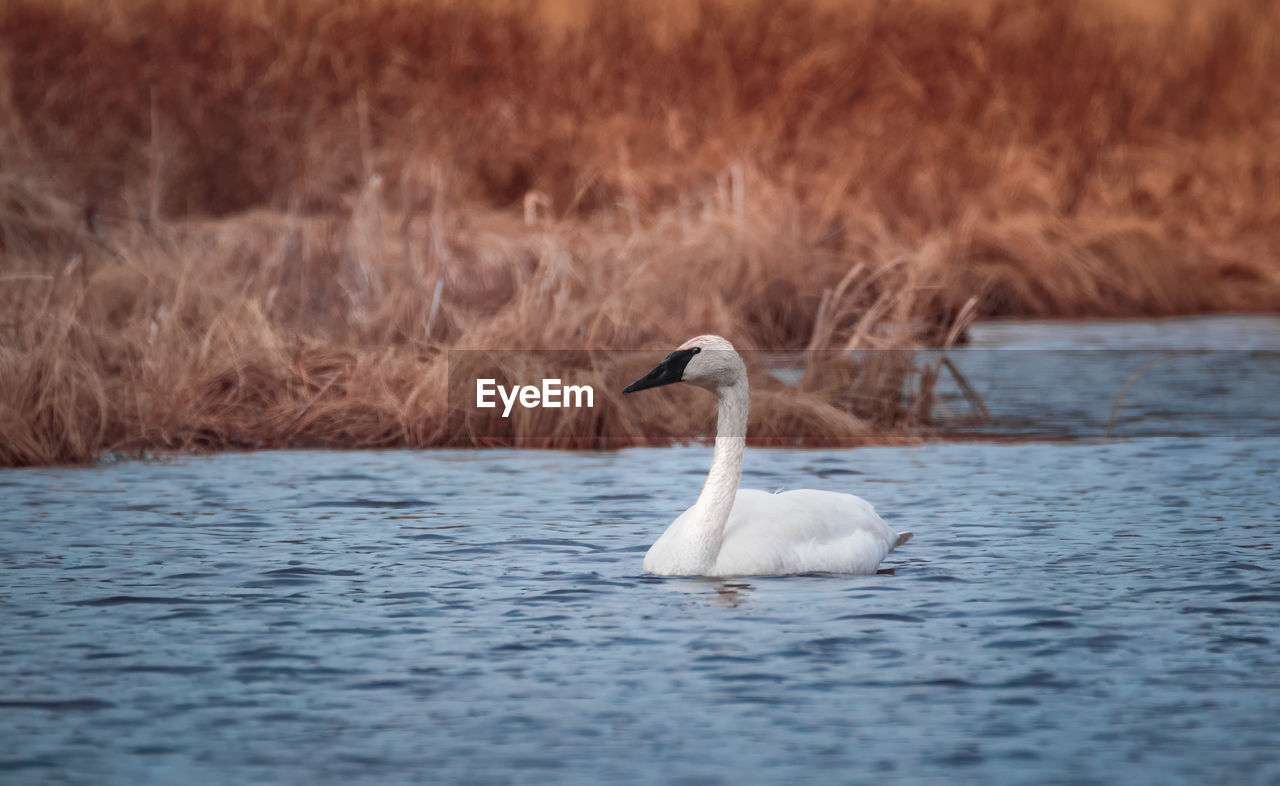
<point x="1085" y="612"/>
<point x="732" y="593"/>
<point x="1225" y="332"/>
<point x="1202" y="377"/>
<point x="1110" y="393"/>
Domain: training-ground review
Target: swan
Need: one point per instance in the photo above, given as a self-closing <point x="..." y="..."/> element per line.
<point x="742" y="532"/>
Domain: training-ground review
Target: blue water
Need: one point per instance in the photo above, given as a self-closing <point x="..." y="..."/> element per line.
<point x="1089" y="612"/>
<point x="1192" y="377"/>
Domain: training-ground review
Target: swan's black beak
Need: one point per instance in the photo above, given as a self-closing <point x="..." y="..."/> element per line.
<point x="671" y="369"/>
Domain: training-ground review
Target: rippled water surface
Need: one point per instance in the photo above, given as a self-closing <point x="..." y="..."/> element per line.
<point x="1072" y="612"/>
<point x="1083" y="612"/>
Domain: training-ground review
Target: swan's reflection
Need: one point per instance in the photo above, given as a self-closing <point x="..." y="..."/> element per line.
<point x="731" y="593"/>
<point x="727" y="592"/>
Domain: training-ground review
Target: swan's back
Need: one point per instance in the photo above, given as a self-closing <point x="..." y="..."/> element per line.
<point x="803" y="531"/>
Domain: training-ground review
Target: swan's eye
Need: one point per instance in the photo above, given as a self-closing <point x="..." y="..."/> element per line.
<point x="696" y="350"/>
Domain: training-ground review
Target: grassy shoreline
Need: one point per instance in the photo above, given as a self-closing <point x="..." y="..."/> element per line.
<point x="262" y="223"/>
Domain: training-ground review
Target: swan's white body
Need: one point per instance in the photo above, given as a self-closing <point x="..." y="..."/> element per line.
<point x="741" y="532"/>
<point x="802" y="531"/>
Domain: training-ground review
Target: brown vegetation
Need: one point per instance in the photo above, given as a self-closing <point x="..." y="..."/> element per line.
<point x="260" y="222"/>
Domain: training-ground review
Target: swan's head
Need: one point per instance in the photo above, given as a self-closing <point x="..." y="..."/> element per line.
<point x="706" y="361"/>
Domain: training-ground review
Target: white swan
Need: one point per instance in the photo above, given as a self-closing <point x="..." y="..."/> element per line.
<point x="740" y="532"/>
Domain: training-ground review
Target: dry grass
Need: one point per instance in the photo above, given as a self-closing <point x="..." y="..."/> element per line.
<point x="261" y="222"/>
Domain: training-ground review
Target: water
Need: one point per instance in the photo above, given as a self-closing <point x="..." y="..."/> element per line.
<point x="1217" y="376"/>
<point x="1222" y="332"/>
<point x="1083" y="612"/>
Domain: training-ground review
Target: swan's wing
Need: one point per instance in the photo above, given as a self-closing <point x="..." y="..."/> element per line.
<point x="803" y="531"/>
<point x="804" y="514"/>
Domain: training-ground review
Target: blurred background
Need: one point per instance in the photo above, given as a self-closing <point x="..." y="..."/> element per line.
<point x="262" y="223"/>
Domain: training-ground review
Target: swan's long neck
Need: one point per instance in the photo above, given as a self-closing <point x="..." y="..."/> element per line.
<point x="721" y="488"/>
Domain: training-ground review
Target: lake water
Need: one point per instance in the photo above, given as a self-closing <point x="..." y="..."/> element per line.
<point x="1215" y="376"/>
<point x="1095" y="611"/>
